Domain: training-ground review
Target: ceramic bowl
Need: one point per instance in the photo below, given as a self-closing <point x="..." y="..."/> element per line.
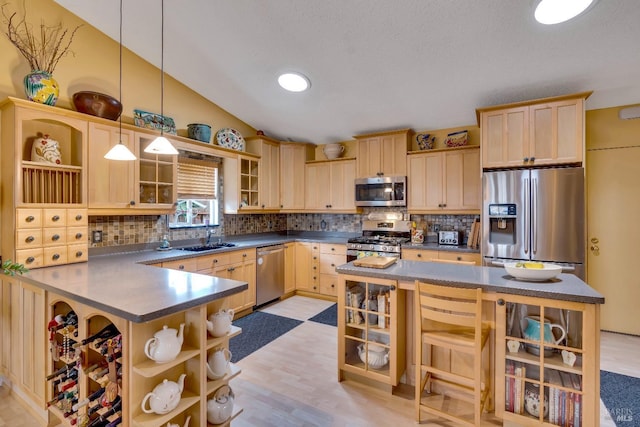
<point x="547" y="272"/>
<point x="97" y="104"/>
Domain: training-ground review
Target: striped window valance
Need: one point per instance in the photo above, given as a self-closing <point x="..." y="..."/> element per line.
<point x="197" y="179"/>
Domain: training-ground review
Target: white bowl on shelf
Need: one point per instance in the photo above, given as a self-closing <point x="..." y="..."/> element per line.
<point x="376" y="356"/>
<point x="547" y="272"/>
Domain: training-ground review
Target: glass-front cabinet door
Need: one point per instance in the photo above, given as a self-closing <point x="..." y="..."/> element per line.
<point x="546" y="363"/>
<point x="369" y="327"/>
<point x="155" y="176"/>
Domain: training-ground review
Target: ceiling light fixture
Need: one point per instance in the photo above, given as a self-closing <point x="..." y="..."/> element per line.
<point x="120" y="151"/>
<point x="551" y="12"/>
<point x="161" y="145"/>
<point x="294" y="82"/>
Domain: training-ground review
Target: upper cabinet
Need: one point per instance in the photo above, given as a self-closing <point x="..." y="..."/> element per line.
<point x="269" y="171"/>
<point x="155" y="176"/>
<point x="292" y="181"/>
<point x="383" y="153"/>
<point x="540" y="132"/>
<point x="444" y="180"/>
<point x="330" y="186"/>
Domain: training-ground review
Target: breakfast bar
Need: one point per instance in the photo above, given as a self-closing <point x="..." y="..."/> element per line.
<point x="376" y="341"/>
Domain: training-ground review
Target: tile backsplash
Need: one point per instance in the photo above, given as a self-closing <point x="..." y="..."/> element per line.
<point x="138" y="229"/>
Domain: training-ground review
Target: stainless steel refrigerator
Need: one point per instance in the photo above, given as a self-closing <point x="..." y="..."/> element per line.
<point x="535" y="214"/>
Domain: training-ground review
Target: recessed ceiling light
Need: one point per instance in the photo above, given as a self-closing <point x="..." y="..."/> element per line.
<point x="556" y="11"/>
<point x="294" y="82"/>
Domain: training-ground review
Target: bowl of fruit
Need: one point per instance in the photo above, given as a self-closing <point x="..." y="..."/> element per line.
<point x="532" y="270"/>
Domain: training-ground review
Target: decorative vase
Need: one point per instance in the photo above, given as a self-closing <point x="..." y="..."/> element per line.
<point x="41" y="87"/>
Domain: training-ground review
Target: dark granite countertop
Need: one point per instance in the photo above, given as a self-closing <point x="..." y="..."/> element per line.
<point x="567" y="287"/>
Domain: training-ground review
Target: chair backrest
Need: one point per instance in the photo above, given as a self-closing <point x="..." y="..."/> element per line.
<point x="450" y="305"/>
<point x="452" y="261"/>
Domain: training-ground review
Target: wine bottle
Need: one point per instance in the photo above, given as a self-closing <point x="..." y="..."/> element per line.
<point x="60" y="371"/>
<point x="108" y="331"/>
<point x="92" y="397"/>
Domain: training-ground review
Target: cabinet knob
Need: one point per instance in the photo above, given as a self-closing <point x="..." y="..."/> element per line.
<point x="459" y="258"/>
<point x="526" y="159"/>
<point x="55" y="257"/>
<point x="533" y="159"/>
<point x="231" y="269"/>
<point x="29" y="260"/>
<point x="55" y="237"/>
<point x="379" y="173"/>
<point x="281" y="206"/>
<point x="215" y="261"/>
<point x="500" y="301"/>
<point x="30" y="218"/>
<point x="333" y="286"/>
<point x="181" y="267"/>
<point x="419" y="255"/>
<point x="314" y="267"/>
<point x="333" y="249"/>
<point x="392" y="287"/>
<point x="262" y="206"/>
<point x="333" y="265"/>
<point x="78" y="254"/>
<point x="78" y="217"/>
<point x="132" y="203"/>
<point x="55" y="218"/>
<point x="29" y="239"/>
<point x="78" y="236"/>
<point x="244" y="255"/>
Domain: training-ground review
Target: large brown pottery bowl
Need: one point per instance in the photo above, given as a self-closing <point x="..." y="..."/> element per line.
<point x="97" y="104"/>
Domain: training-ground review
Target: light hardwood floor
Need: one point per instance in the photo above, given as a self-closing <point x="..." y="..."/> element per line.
<point x="293" y="381"/>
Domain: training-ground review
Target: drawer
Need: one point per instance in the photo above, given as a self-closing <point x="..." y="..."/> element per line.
<point x="188" y="264"/>
<point x="54" y="255"/>
<point x="54" y="236"/>
<point x="30" y="258"/>
<point x="78" y="253"/>
<point x="77" y="235"/>
<point x="29" y="238"/>
<point x="419" y="254"/>
<point x="328" y="263"/>
<point x="28" y="218"/>
<point x="54" y="217"/>
<point x="211" y="262"/>
<point x="327" y="248"/>
<point x="329" y="284"/>
<point x="241" y="256"/>
<point x="77" y="217"/>
<point x="458" y="256"/>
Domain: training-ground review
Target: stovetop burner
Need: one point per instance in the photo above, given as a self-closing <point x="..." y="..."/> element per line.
<point x="379" y="240"/>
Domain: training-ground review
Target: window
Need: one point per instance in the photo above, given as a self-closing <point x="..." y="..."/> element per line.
<point x="197" y="204"/>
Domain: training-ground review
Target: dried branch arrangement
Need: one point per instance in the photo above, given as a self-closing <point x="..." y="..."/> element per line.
<point x="43" y="49"/>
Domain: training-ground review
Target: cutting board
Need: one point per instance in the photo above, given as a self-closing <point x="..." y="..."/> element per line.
<point x="375" y="261"/>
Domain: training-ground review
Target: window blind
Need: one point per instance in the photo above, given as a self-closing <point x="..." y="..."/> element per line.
<point x="197" y="179"/>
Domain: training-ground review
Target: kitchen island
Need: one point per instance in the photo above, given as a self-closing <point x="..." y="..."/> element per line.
<point x="114" y="293"/>
<point x="566" y="301"/>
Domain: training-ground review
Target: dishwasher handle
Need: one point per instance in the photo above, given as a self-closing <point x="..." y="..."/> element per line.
<point x="266" y="250"/>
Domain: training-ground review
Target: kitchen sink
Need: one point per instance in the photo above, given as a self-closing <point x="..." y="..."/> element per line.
<point x="208" y="247"/>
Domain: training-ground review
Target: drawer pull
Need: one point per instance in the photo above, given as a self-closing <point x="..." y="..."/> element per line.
<point x="78" y="236"/>
<point x="30" y="218"/>
<point x="55" y="237"/>
<point x="29" y="239"/>
<point x="55" y="257"/>
<point x="78" y="217"/>
<point x="215" y="261"/>
<point x="333" y="265"/>
<point x="459" y="258"/>
<point x="244" y="255"/>
<point x="78" y="254"/>
<point x="181" y="267"/>
<point x="230" y="269"/>
<point x="29" y="260"/>
<point x="500" y="301"/>
<point x="419" y="255"/>
<point x="55" y="218"/>
<point x="333" y="249"/>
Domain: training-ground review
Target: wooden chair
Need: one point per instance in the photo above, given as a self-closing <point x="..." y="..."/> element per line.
<point x="452" y="261"/>
<point x="450" y="318"/>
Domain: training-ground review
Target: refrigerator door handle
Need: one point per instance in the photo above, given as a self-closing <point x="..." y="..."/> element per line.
<point x="527" y="216"/>
<point x="534" y="216"/>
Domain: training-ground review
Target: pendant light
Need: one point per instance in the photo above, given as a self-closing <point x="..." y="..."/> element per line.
<point x="161" y="145"/>
<point x="120" y="151"/>
<point x="551" y="12"/>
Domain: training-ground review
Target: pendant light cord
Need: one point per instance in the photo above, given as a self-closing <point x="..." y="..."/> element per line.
<point x="162" y="67"/>
<point x="121" y="69"/>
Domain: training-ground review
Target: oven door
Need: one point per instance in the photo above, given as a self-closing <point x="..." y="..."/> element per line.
<point x="381" y="191"/>
<point x="353" y="254"/>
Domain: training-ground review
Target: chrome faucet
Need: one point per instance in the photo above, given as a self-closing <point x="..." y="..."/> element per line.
<point x="210" y="233"/>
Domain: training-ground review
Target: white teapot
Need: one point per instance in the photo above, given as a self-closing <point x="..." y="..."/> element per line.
<point x="218" y="363"/>
<point x="219" y="324"/>
<point x="165" y="344"/>
<point x="186" y="423"/>
<point x="165" y="396"/>
<point x="220" y="408"/>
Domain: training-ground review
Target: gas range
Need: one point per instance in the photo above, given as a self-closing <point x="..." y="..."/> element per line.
<point x="382" y="235"/>
<point x="377" y="243"/>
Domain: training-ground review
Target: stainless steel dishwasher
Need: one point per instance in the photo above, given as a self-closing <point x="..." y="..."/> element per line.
<point x="269" y="273"/>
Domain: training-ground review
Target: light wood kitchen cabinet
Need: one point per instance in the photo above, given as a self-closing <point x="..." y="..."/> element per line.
<point x="538" y="132"/>
<point x="269" y="171"/>
<point x="308" y="267"/>
<point x="371" y="329"/>
<point x="330" y="186"/>
<point x="530" y="366"/>
<point x="155" y="175"/>
<point x="242" y="184"/>
<point x="429" y="254"/>
<point x="110" y="183"/>
<point x="289" y="267"/>
<point x="292" y="177"/>
<point x="331" y="256"/>
<point x="382" y="154"/>
<point x="445" y="180"/>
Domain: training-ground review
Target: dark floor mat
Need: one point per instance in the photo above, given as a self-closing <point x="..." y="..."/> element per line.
<point x="258" y="329"/>
<point x="328" y="316"/>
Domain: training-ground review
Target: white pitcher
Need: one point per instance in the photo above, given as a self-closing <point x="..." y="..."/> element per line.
<point x="219" y="324"/>
<point x="218" y="363"/>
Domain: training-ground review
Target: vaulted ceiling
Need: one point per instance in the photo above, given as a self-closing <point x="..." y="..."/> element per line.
<point x="378" y="64"/>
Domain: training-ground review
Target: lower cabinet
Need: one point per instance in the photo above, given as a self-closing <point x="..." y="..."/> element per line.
<point x="289" y="268"/>
<point x="547" y="368"/>
<point x="331" y="256"/>
<point x="429" y="254"/>
<point x="308" y="267"/>
<point x="371" y="329"/>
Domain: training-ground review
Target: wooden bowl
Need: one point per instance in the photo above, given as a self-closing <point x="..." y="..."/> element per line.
<point x="97" y="104"/>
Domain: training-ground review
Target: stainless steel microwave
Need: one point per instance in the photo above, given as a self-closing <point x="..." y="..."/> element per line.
<point x="381" y="191"/>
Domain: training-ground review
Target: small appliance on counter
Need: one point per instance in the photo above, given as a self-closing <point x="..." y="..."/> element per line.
<point x="453" y="238"/>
